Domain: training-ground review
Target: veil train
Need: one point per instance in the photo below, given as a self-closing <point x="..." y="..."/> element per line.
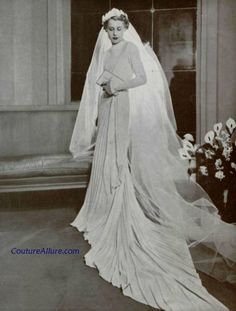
<point x="157" y="170"/>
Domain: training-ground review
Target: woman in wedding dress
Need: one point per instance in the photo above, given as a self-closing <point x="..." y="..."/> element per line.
<point x="149" y="227"/>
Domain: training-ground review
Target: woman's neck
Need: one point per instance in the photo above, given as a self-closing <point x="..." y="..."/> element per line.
<point x="114" y="45"/>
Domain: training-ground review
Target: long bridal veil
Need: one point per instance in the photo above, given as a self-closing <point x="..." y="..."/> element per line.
<point x="159" y="175"/>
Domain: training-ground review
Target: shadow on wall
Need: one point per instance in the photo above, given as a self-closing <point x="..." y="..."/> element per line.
<point x="183" y="92"/>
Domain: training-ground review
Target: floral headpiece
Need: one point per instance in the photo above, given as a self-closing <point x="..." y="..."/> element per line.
<point x="112" y="13"/>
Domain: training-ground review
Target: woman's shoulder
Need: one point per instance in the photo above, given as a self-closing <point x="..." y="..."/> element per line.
<point x="131" y="46"/>
<point x="132" y="50"/>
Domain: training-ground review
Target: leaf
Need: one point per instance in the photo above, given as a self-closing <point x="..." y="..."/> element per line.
<point x="231" y="124"/>
<point x="209" y="137"/>
<point x="217" y="128"/>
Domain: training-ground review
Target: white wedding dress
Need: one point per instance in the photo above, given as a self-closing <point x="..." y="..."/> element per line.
<point x="141" y="214"/>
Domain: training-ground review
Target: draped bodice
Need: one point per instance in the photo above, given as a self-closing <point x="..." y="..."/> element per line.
<point x="119" y="62"/>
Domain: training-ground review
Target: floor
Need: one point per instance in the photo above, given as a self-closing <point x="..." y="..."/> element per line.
<point x="59" y="282"/>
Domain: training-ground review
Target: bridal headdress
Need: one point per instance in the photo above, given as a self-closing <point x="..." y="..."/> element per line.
<point x="112" y="13"/>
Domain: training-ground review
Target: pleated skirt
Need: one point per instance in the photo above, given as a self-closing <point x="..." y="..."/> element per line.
<point x="149" y="260"/>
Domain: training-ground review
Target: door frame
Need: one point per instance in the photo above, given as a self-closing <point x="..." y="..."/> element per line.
<point x="207" y="66"/>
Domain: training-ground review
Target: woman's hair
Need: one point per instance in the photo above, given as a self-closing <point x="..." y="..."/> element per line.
<point x="121" y="18"/>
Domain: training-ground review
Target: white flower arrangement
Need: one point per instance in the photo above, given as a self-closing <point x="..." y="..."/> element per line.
<point x="220" y="175"/>
<point x="217" y="156"/>
<point x="203" y="170"/>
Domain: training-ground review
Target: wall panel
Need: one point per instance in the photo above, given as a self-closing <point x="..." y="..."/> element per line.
<point x="227" y="60"/>
<point x="35" y="115"/>
<point x="36" y="132"/>
<point x="216" y="63"/>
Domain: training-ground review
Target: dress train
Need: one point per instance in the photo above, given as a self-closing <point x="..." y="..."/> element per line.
<point x="146" y="257"/>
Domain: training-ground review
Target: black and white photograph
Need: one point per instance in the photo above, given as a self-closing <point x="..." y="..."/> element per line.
<point x="117" y="155"/>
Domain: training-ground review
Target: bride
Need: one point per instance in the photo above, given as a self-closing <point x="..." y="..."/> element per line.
<point x="149" y="227"/>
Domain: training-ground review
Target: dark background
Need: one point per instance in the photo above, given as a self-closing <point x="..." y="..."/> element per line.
<point x="169" y="26"/>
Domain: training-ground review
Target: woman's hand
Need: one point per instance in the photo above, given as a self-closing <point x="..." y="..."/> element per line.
<point x="109" y="89"/>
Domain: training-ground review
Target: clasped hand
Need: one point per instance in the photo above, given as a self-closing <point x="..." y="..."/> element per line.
<point x="109" y="89"/>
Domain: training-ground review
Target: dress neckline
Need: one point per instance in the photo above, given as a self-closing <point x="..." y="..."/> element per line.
<point x="115" y="46"/>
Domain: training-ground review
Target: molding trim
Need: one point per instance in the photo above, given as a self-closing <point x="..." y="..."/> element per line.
<point x="35" y="108"/>
<point x="43" y="183"/>
<point x="207" y="66"/>
<point x="59" y="52"/>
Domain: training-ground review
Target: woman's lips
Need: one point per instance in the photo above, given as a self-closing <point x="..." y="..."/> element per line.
<point x="115" y="38"/>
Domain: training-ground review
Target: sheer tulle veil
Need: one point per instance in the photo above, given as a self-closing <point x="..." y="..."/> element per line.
<point x="158" y="173"/>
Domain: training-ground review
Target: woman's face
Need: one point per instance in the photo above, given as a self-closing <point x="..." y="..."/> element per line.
<point x="115" y="31"/>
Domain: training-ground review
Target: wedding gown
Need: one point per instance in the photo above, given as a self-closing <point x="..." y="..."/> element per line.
<point x="142" y="253"/>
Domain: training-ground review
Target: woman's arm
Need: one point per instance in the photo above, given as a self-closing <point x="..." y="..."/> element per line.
<point x="138" y="69"/>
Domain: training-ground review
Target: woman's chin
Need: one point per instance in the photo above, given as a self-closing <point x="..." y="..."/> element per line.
<point x="116" y="41"/>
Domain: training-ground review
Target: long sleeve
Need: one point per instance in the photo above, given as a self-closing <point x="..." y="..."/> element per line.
<point x="138" y="69"/>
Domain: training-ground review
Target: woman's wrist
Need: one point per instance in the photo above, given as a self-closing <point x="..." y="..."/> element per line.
<point x="114" y="88"/>
<point x="117" y="88"/>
